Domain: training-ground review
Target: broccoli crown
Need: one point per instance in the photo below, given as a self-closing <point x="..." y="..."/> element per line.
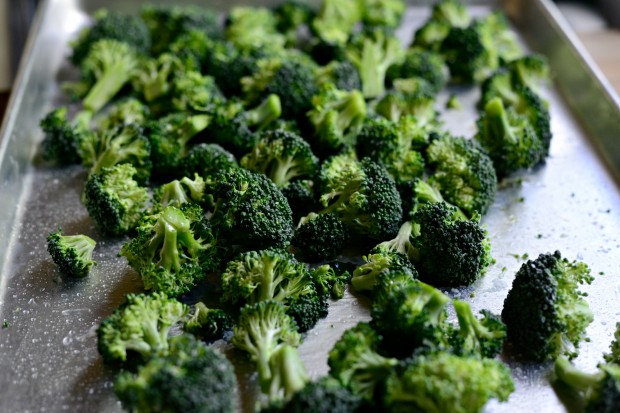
<point x="341" y="74"/>
<point x="124" y="112"/>
<point x="499" y="85"/>
<point x="192" y="49"/>
<point x="330" y="279"/>
<point x="62" y="138"/>
<point x="614" y="356"/>
<point x="192" y="378"/>
<point x="72" y="253"/>
<point x="410" y="318"/>
<point x="535" y="109"/>
<point x="420" y="106"/>
<point x="208" y="323"/>
<point x="173" y="249"/>
<point x="295" y="83"/>
<point x="482" y="337"/>
<point x="301" y="197"/>
<point x="307" y="309"/>
<point x="377" y="263"/>
<point x="468" y="56"/>
<point x="291" y="14"/>
<point x="545" y="313"/>
<point x="250" y="210"/>
<point x="320" y="237"/>
<point x="177" y="193"/>
<point x="391" y="281"/>
<point x="336" y="20"/>
<point x="418" y="63"/>
<point x="192" y="90"/>
<point x="452" y="12"/>
<point x="509" y="139"/>
<point x="463" y="173"/>
<point x="282" y="156"/>
<point x="531" y="71"/>
<point x="336" y="116"/>
<point x="325" y="395"/>
<point x="382" y="13"/>
<point x="113" y="26"/>
<point x="365" y="198"/>
<point x="431" y="34"/>
<point x="441" y="382"/>
<point x="356" y="363"/>
<point x="425" y="193"/>
<point x="498" y="38"/>
<point x="389" y="144"/>
<point x="139" y="327"/>
<point x="452" y="251"/>
<point x="253" y="27"/>
<point x="402" y="243"/>
<point x="271" y="274"/>
<point x="114" y="200"/>
<point x="154" y="76"/>
<point x="206" y="159"/>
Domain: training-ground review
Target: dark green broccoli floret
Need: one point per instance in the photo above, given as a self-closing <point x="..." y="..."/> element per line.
<point x="421" y="64"/>
<point x="113" y="26"/>
<point x="336" y="20"/>
<point x="114" y="200"/>
<point x="124" y="112"/>
<point x="192" y="378"/>
<point x="599" y="392"/>
<point x="282" y="156"/>
<point x="441" y="382"/>
<point x="391" y="281"/>
<point x="319" y="237"/>
<point x="545" y="313"/>
<point x="250" y="211"/>
<point x="356" y="363"/>
<point x="469" y="59"/>
<point x="531" y="71"/>
<point x="301" y="197"/>
<point x="291" y="15"/>
<point x="430" y="35"/>
<point x="331" y="280"/>
<point x="614" y="356"/>
<point x="253" y="27"/>
<point x="62" y="139"/>
<point x="509" y="139"/>
<point x="341" y="74"/>
<point x="307" y="310"/>
<point x="382" y="13"/>
<point x="463" y="173"/>
<point x="379" y="261"/>
<point x="139" y="328"/>
<point x="209" y="324"/>
<point x="206" y="159"/>
<point x="482" y="337"/>
<point x="337" y="117"/>
<point x="191" y="91"/>
<point x="173" y="249"/>
<point x="72" y="253"/>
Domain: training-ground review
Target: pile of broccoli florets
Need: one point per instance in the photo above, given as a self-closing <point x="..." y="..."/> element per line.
<point x="257" y="165"/>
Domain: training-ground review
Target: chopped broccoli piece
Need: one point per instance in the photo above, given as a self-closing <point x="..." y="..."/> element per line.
<point x="382" y="13"/>
<point x="452" y="12"/>
<point x="614" y="356"/>
<point x="253" y="27"/>
<point x="177" y="193"/>
<point x="330" y="280"/>
<point x="301" y="197"/>
<point x="61" y="143"/>
<point x="377" y="263"/>
<point x="336" y="20"/>
<point x="530" y="71"/>
<point x="206" y="159"/>
<point x="124" y="112"/>
<point x="209" y="324"/>
<point x="431" y="34"/>
<point x="72" y="253"/>
<point x="307" y="310"/>
<point x="153" y="77"/>
<point x="420" y="106"/>
<point x="341" y="74"/>
<point x="319" y="237"/>
<point x="477" y="337"/>
<point x="420" y="64"/>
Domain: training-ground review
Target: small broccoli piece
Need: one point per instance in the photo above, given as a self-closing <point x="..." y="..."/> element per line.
<point x="463" y="173"/>
<point x="402" y="243"/>
<point x="477" y="337"/>
<point x="531" y="71"/>
<point x="153" y="77"/>
<point x="410" y="318"/>
<point x="124" y="112"/>
<point x="452" y="251"/>
<point x="341" y="74"/>
<point x="454" y="103"/>
<point x="269" y="336"/>
<point x="319" y="237"/>
<point x="191" y="91"/>
<point x="425" y="193"/>
<point x="420" y="106"/>
<point x="113" y="26"/>
<point x="253" y="27"/>
<point x="452" y="12"/>
<point x="509" y="139"/>
<point x="430" y="35"/>
<point x="391" y="281"/>
<point x="139" y="328"/>
<point x="62" y="138"/>
<point x="421" y="64"/>
<point x="599" y="392"/>
<point x="177" y="193"/>
<point x="291" y="15"/>
<point x="307" y="310"/>
<point x="114" y="200"/>
<point x="336" y="20"/>
<point x="282" y="156"/>
<point x="382" y="13"/>
<point x="356" y="363"/>
<point x="545" y="313"/>
<point x="209" y="324"/>
<point x="377" y="263"/>
<point x="413" y="86"/>
<point x="301" y="197"/>
<point x="173" y="249"/>
<point x="330" y="280"/>
<point x="498" y="37"/>
<point x="337" y="117"/>
<point x="119" y="145"/>
<point x="500" y="85"/>
<point x="250" y="211"/>
<point x="72" y="253"/>
<point x="206" y="159"/>
<point x="192" y="378"/>
<point x="363" y="196"/>
<point x="441" y="382"/>
<point x="373" y="55"/>
<point x="614" y="356"/>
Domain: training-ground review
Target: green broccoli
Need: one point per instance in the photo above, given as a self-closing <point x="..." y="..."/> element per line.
<point x="531" y="71"/>
<point x="301" y="197"/>
<point x="382" y="13"/>
<point x="421" y="64"/>
<point x="291" y="15"/>
<point x="452" y="12"/>
<point x="430" y="35"/>
<point x="319" y="237"/>
<point x="336" y="20"/>
<point x="420" y="106"/>
<point x="545" y="313"/>
<point x="614" y="356"/>
<point x="114" y="200"/>
<point x="179" y="192"/>
<point x="341" y="74"/>
<point x="477" y="337"/>
<point x="379" y="261"/>
<point x="62" y="138"/>
<point x="307" y="309"/>
<point x="206" y="159"/>
<point x="403" y="242"/>
<point x="424" y="193"/>
<point x="153" y="77"/>
<point x="193" y="91"/>
<point x="72" y="253"/>
<point x="253" y="27"/>
<point x="124" y="112"/>
<point x="330" y="280"/>
<point x="209" y="324"/>
<point x="498" y="37"/>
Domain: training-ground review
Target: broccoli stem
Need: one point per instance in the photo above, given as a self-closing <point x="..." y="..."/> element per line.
<point x="289" y="373"/>
<point x="108" y="85"/>
<point x="191" y="127"/>
<point x="402" y="242"/>
<point x="350" y="109"/>
<point x="83" y="245"/>
<point x="571" y="376"/>
<point x="498" y="124"/>
<point x="265" y="113"/>
<point x="169" y="254"/>
<point x="284" y="171"/>
<point x="82" y="120"/>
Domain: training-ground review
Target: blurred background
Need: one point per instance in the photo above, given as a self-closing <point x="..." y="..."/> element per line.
<point x="596" y="22"/>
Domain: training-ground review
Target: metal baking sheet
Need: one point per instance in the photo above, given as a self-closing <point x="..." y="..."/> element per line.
<point x="48" y="356"/>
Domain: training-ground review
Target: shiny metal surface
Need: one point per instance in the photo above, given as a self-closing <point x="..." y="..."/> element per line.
<point x="48" y="357"/>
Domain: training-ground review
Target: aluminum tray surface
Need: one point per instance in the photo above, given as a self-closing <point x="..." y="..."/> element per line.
<point x="48" y="356"/>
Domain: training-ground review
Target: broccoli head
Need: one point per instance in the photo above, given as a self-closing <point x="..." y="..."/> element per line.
<point x="301" y="197"/>
<point x="422" y="64"/>
<point x="419" y="106"/>
<point x="179" y="192"/>
<point x="377" y="263"/>
<point x="61" y="143"/>
<point x="72" y="253"/>
<point x="341" y="74"/>
<point x="253" y="27"/>
<point x="335" y="21"/>
<point x="331" y="280"/>
<point x="307" y="309"/>
<point x="206" y="159"/>
<point x="124" y="112"/>
<point x="482" y="337"/>
<point x="382" y="13"/>
<point x="209" y="324"/>
<point x="319" y="237"/>
<point x="452" y="12"/>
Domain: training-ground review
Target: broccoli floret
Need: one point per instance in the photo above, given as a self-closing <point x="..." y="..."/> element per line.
<point x="192" y="91"/>
<point x="441" y="382"/>
<point x="114" y="200"/>
<point x="206" y="159"/>
<point x="341" y="74"/>
<point x="421" y="64"/>
<point x="377" y="263"/>
<point x="124" y="112"/>
<point x="139" y="328"/>
<point x="250" y="211"/>
<point x="291" y="15"/>
<point x="452" y="12"/>
<point x="469" y="59"/>
<point x="72" y="253"/>
<point x="530" y="71"/>
<point x="356" y="363"/>
<point x="119" y="145"/>
<point x="192" y="378"/>
<point x="282" y="156"/>
<point x="336" y="20"/>
<point x="482" y="337"/>
<point x="420" y="106"/>
<point x="497" y="37"/>
<point x="430" y="35"/>
<point x="382" y="13"/>
<point x="373" y="55"/>
<point x="301" y="197"/>
<point x="337" y="117"/>
<point x="153" y="77"/>
<point x="410" y="318"/>
<point x="177" y="193"/>
<point x="62" y="138"/>
<point x="425" y="193"/>
<point x="391" y="281"/>
<point x="113" y="26"/>
<point x="173" y="249"/>
<point x="319" y="237"/>
<point x="330" y="280"/>
<point x="463" y="173"/>
<point x="402" y="243"/>
<point x="614" y="356"/>
<point x="364" y="197"/>
<point x="509" y="139"/>
<point x="209" y="324"/>
<point x="545" y="313"/>
<point x="307" y="310"/>
<point x="253" y="27"/>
